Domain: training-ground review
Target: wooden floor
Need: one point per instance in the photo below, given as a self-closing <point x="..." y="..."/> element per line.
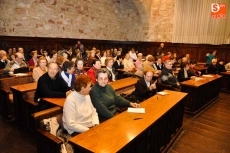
<point x="208" y="132"/>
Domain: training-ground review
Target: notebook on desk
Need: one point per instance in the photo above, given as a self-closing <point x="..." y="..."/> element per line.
<point x="21" y="70"/>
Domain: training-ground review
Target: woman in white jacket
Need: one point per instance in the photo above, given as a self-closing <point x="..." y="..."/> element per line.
<point x="79" y="115"/>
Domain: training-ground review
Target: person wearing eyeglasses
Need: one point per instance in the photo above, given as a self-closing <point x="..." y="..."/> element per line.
<point x="105" y="99"/>
<point x="212" y="68"/>
<point x="16" y="64"/>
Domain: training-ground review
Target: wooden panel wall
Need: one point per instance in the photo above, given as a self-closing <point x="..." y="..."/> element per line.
<point x="197" y="51"/>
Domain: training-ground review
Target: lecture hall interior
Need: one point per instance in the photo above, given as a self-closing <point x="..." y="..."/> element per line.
<point x="183" y="46"/>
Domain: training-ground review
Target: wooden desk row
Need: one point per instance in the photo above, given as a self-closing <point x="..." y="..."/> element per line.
<point x="26" y="91"/>
<point x="5" y="92"/>
<point x="201" y="93"/>
<point x="225" y="82"/>
<point x="155" y="131"/>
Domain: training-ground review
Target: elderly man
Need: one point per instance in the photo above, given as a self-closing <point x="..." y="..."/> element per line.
<point x="3" y="59"/>
<point x="167" y="76"/>
<point x="51" y="85"/>
<point x="12" y="66"/>
<point x="212" y="68"/>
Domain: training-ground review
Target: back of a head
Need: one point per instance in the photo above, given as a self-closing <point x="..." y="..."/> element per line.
<point x="150" y="58"/>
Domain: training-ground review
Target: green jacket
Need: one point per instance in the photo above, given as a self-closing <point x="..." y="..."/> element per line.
<point x="105" y="100"/>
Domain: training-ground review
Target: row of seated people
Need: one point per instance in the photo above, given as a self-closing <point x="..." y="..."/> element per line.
<point x="103" y="97"/>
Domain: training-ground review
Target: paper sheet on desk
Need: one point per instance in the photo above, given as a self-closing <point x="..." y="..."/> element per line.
<point x="162" y="93"/>
<point x="136" y="110"/>
<point x="210" y="76"/>
<point x="20" y="74"/>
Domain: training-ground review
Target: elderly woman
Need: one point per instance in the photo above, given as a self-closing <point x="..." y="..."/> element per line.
<point x="67" y="73"/>
<point x="104" y="98"/>
<point x="79" y="69"/>
<point x="34" y="59"/>
<point x="109" y="66"/>
<point x="40" y="69"/>
<point x="79" y="115"/>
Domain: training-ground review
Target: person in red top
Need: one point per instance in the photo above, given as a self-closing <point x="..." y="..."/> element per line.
<point x="34" y="59"/>
<point x="92" y="71"/>
<point x="167" y="57"/>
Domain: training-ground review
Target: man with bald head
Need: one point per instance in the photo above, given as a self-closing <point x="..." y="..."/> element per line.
<point x="16" y="64"/>
<point x="51" y="85"/>
<point x="3" y="59"/>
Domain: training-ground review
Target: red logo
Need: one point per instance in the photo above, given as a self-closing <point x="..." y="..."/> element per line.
<point x="218" y="10"/>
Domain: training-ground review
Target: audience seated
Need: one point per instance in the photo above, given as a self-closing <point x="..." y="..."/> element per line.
<point x="220" y="66"/>
<point x="148" y="64"/>
<point x="18" y="63"/>
<point x="192" y="70"/>
<point x="98" y="54"/>
<point x="109" y="67"/>
<point x="145" y="86"/>
<point x="60" y="61"/>
<point x="104" y="98"/>
<point x="183" y="73"/>
<point x="46" y="55"/>
<point x="139" y="61"/>
<point x="118" y="64"/>
<point x="92" y="71"/>
<point x="128" y="64"/>
<point x="91" y="58"/>
<point x="34" y="58"/>
<point x="79" y="115"/>
<point x="79" y="67"/>
<point x="67" y="73"/>
<point x="40" y="69"/>
<point x="70" y="53"/>
<point x="53" y="56"/>
<point x="167" y="57"/>
<point x="3" y="59"/>
<point x="227" y="67"/>
<point x="167" y="76"/>
<point x="104" y="56"/>
<point x="158" y="65"/>
<point x="51" y="85"/>
<point x="133" y="55"/>
<point x="212" y="68"/>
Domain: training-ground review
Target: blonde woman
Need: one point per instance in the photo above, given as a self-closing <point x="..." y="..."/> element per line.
<point x="40" y="69"/>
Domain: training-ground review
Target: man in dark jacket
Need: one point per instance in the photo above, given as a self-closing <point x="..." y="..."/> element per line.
<point x="167" y="76"/>
<point x="145" y="87"/>
<point x="51" y="85"/>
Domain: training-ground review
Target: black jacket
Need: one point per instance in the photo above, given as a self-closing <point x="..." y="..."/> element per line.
<point x="51" y="88"/>
<point x="142" y="91"/>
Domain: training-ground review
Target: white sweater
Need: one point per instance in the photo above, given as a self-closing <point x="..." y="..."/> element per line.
<point x="79" y="113"/>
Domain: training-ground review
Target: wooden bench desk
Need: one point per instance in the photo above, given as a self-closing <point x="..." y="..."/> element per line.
<point x="225" y="87"/>
<point x="154" y="131"/>
<point x="21" y="92"/>
<point x="201" y="93"/>
<point x="119" y="86"/>
<point x="5" y="84"/>
<point x="124" y="84"/>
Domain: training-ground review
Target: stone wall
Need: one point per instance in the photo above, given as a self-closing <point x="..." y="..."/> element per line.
<point x="128" y="20"/>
